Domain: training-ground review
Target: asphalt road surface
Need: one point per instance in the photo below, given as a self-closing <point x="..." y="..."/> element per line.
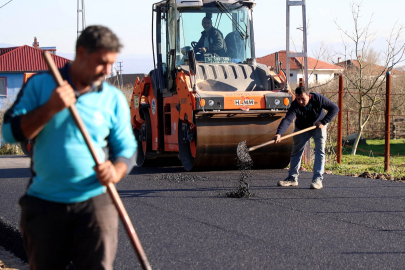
<point x="185" y="221"/>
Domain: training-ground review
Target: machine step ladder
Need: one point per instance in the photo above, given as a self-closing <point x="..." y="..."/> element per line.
<point x="304" y="53"/>
<point x="83" y="15"/>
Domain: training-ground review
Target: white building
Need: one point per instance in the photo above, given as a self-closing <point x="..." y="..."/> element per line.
<point x="318" y="71"/>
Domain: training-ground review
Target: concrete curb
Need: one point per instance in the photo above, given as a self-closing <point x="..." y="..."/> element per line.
<point x="11" y="239"/>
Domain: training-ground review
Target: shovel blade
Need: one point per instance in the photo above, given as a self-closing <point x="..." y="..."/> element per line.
<point x="243" y="152"/>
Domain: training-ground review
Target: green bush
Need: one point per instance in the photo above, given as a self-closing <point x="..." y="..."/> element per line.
<point x="9" y="149"/>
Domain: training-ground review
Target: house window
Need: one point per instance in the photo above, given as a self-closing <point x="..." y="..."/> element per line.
<point x="291" y="75"/>
<point x="316" y="77"/>
<point x="3" y="87"/>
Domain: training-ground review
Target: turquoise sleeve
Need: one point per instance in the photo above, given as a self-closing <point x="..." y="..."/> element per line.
<point x="26" y="101"/>
<point x="121" y="138"/>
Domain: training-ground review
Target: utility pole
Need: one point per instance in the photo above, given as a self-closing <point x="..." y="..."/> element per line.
<point x="83" y="15"/>
<point x="120" y="68"/>
<point x="120" y="74"/>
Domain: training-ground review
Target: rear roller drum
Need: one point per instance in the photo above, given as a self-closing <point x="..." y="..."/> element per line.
<point x="144" y="139"/>
<point x="140" y="155"/>
<point x="146" y="157"/>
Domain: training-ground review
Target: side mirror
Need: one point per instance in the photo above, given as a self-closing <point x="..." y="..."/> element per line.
<point x="277" y="64"/>
<point x="192" y="63"/>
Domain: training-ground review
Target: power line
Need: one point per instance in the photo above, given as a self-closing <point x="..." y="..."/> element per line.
<point x="6" y="3"/>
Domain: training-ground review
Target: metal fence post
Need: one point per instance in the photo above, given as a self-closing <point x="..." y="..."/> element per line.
<point x="387" y="123"/>
<point x="340" y="121"/>
<point x="347" y="123"/>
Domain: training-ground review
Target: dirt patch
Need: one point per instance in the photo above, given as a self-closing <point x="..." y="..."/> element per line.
<point x="382" y="176"/>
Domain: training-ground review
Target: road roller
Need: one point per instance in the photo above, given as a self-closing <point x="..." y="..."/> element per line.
<point x="206" y="92"/>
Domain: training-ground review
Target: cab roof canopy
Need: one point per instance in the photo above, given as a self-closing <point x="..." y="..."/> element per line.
<point x="200" y="3"/>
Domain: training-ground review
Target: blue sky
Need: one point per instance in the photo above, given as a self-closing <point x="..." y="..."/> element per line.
<point x="54" y="23"/>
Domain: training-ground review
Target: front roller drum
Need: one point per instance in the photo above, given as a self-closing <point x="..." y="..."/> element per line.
<point x="215" y="138"/>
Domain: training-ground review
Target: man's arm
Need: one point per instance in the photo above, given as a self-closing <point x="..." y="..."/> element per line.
<point x="332" y="109"/>
<point x="200" y="43"/>
<point x="33" y="122"/>
<point x="285" y="123"/>
<point x="27" y="116"/>
<point x="109" y="172"/>
<point x="123" y="146"/>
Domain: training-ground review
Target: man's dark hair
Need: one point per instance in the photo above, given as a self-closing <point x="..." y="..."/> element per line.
<point x="96" y="37"/>
<point x="300" y="90"/>
<point x="207" y="18"/>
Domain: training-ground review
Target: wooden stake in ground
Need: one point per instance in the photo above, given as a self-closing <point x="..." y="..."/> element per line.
<point x="110" y="188"/>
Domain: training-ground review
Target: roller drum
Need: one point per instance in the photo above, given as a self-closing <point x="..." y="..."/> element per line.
<point x="218" y="135"/>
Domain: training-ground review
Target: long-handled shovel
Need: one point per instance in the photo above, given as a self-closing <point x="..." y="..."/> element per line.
<point x="243" y="150"/>
<point x="110" y="188"/>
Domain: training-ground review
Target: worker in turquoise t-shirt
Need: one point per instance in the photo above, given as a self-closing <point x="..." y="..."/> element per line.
<point x="66" y="214"/>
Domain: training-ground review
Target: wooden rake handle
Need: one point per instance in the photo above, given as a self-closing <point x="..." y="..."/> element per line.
<point x="282" y="138"/>
<point x="133" y="237"/>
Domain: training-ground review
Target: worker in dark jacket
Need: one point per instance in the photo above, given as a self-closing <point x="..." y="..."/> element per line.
<point x="212" y="40"/>
<point x="66" y="213"/>
<point x="308" y="109"/>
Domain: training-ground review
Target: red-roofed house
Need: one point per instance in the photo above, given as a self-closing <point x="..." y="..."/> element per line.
<point x="318" y="71"/>
<point x="14" y="62"/>
<point x="370" y="69"/>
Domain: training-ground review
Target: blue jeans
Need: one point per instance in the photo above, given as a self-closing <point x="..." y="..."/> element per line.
<point x="319" y="136"/>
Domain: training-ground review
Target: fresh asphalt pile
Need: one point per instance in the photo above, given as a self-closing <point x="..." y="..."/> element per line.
<point x="11" y="239"/>
<point x="14" y="177"/>
<point x="178" y="177"/>
<point x="245" y="164"/>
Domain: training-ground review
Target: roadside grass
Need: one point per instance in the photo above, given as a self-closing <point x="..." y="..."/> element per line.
<point x="370" y="157"/>
<point x="397" y="148"/>
<point x="9" y="149"/>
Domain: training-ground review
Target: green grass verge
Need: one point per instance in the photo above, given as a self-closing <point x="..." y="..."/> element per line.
<point x="371" y="159"/>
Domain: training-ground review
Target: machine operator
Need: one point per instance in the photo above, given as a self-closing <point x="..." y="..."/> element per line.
<point x="211" y="41"/>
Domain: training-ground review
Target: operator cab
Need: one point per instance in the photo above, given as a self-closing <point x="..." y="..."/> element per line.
<point x="219" y="33"/>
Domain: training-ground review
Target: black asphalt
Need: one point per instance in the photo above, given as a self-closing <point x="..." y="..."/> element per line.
<point x="185" y="221"/>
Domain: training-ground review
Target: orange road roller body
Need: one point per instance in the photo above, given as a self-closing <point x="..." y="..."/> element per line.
<point x="197" y="104"/>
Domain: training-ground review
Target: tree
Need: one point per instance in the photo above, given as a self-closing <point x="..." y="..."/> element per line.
<point x="365" y="75"/>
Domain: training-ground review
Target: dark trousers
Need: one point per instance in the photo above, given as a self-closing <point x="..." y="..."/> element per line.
<point x="55" y="234"/>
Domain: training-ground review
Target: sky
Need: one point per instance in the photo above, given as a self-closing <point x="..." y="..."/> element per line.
<point x="54" y="23"/>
